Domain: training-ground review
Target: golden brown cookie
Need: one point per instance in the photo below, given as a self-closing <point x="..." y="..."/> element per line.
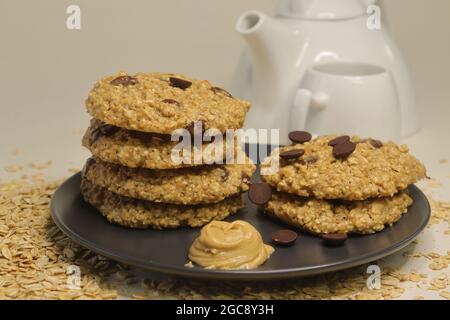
<point x="145" y="150"/>
<point x="188" y="186"/>
<point x="331" y="216"/>
<point x="145" y="214"/>
<point x="324" y="171"/>
<point x="163" y="102"/>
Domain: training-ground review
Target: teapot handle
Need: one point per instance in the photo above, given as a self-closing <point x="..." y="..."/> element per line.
<point x="304" y="100"/>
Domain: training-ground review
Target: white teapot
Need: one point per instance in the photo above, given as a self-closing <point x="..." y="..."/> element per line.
<point x="305" y="33"/>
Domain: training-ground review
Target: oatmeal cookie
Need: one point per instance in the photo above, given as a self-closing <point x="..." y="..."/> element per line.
<point x="143" y="150"/>
<point x="331" y="216"/>
<point x="327" y="168"/>
<point x="188" y="186"/>
<point x="163" y="102"/>
<point x="145" y="214"/>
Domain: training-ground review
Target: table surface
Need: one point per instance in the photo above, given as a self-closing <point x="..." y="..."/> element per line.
<point x="40" y="136"/>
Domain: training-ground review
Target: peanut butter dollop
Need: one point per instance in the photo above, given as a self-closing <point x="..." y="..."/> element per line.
<point x="224" y="245"/>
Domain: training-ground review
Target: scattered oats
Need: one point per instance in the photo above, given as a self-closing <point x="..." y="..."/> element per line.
<point x="440" y="211"/>
<point x="6" y="252"/>
<point x="40" y="166"/>
<point x="434" y="184"/>
<point x="443" y="161"/>
<point x="438" y="264"/>
<point x="13" y="168"/>
<point x="68" y="253"/>
<point x="42" y="262"/>
<point x="418" y="298"/>
<point x="439" y="283"/>
<point x="34" y="254"/>
<point x="445" y="294"/>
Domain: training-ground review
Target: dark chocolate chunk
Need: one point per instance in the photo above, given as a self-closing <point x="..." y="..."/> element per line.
<point x="284" y="237"/>
<point x="149" y="136"/>
<point x="124" y="81"/>
<point x="338" y="140"/>
<point x="259" y="193"/>
<point x="335" y="239"/>
<point x="180" y="83"/>
<point x="299" y="136"/>
<point x="218" y="90"/>
<point x="292" y="154"/>
<point x="103" y="130"/>
<point x="376" y="143"/>
<point x="344" y="149"/>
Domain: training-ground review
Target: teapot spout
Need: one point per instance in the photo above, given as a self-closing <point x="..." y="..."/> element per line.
<point x="259" y="31"/>
<point x="273" y="49"/>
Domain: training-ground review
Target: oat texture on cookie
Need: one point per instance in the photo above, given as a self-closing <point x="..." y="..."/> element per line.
<point x="338" y="185"/>
<point x="162" y="103"/>
<point x="133" y="178"/>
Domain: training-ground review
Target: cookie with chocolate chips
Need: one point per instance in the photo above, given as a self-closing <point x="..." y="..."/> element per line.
<point x="137" y="149"/>
<point x="342" y="167"/>
<point x="325" y="217"/>
<point x="162" y="103"/>
<point x="203" y="184"/>
<point x="142" y="214"/>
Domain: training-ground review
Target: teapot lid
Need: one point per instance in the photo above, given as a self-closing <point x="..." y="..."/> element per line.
<point x="323" y="9"/>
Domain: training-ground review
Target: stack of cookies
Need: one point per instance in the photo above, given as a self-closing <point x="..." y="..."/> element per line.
<point x="132" y="178"/>
<point x="333" y="186"/>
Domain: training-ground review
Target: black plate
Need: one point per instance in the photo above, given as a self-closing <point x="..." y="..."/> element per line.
<point x="166" y="251"/>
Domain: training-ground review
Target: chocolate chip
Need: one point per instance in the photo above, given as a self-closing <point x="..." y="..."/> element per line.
<point x="309" y="160"/>
<point x="376" y="143"/>
<point x="149" y="136"/>
<point x="292" y="154"/>
<point x="103" y="130"/>
<point x="299" y="136"/>
<point x="218" y="90"/>
<point x="259" y="193"/>
<point x="338" y="140"/>
<point x="171" y="101"/>
<point x="335" y="239"/>
<point x="124" y="81"/>
<point x="284" y="237"/>
<point x="344" y="149"/>
<point x="180" y="83"/>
